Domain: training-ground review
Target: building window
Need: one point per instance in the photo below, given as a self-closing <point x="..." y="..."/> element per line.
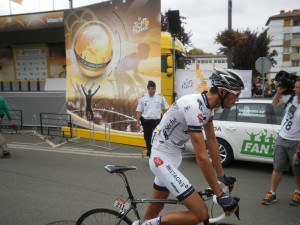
<point x="210" y="61"/>
<point x="295" y="63"/>
<point x="198" y="61"/>
<point x="286" y="50"/>
<point x="287" y="36"/>
<point x="296" y="22"/>
<point x="295" y="49"/>
<point x="215" y="61"/>
<point x="296" y="36"/>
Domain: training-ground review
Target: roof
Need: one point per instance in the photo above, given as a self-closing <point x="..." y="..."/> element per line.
<point x="284" y="15"/>
<point x="207" y="56"/>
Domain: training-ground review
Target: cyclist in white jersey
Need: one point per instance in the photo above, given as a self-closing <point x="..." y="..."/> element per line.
<point x="186" y="119"/>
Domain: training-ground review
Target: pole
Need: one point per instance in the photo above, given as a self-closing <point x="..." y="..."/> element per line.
<point x="71" y="4"/>
<point x="174" y="69"/>
<point x="10" y="7"/>
<point x="229" y="49"/>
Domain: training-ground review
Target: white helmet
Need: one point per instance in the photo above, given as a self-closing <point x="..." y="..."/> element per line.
<point x="226" y="78"/>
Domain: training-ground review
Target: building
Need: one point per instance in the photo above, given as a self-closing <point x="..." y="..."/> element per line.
<point x="284" y="28"/>
<point x="207" y="62"/>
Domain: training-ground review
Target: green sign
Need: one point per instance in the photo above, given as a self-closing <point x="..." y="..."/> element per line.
<point x="259" y="144"/>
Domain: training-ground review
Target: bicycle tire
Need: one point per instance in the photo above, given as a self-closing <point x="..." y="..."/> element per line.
<point x="102" y="216"/>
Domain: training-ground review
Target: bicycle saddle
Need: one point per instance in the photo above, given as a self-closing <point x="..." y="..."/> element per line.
<point x="118" y="169"/>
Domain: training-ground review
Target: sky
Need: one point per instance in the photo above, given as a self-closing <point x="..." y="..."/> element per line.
<point x="204" y="18"/>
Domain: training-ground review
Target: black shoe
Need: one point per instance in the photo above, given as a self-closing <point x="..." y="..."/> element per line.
<point x="6" y="154"/>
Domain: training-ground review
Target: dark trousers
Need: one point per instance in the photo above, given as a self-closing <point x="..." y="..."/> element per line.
<point x="149" y="126"/>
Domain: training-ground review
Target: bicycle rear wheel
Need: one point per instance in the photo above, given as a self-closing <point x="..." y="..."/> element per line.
<point x="102" y="217"/>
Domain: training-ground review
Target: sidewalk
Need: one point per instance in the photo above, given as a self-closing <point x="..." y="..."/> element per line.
<point x="28" y="137"/>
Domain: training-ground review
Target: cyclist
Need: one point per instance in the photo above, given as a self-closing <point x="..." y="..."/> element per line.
<point x="187" y="118"/>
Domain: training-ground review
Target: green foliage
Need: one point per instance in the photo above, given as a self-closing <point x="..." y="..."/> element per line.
<point x="249" y="48"/>
<point x="253" y="46"/>
<point x="184" y="37"/>
<point x="197" y="51"/>
<point x="229" y="38"/>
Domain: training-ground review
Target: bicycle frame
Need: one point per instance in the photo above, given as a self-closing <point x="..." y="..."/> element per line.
<point x="120" y="170"/>
<point x="133" y="201"/>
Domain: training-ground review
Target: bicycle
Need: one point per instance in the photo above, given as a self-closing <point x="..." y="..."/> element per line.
<point x="105" y="216"/>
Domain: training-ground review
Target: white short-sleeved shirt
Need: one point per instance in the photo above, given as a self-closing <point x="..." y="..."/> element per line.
<point x="290" y="124"/>
<point x="187" y="114"/>
<point x="151" y="106"/>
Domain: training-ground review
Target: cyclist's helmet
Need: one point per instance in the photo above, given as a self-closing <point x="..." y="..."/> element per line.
<point x="226" y="78"/>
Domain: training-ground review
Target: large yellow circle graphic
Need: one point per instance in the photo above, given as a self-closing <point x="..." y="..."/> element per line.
<point x="93" y="49"/>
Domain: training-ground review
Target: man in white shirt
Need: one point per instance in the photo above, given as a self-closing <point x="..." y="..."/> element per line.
<point x="149" y="112"/>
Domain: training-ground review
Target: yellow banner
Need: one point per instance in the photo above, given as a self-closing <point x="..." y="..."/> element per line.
<point x="17" y="1"/>
<point x="112" y="50"/>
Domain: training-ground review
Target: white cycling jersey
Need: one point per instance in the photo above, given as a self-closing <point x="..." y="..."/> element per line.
<point x="187" y="114"/>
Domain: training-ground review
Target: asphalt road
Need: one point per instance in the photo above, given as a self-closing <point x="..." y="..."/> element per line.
<point x="46" y="184"/>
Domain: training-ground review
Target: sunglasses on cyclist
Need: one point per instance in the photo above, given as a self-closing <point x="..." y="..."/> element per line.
<point x="236" y="93"/>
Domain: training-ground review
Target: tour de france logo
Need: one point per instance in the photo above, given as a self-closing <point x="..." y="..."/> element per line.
<point x="259" y="144"/>
<point x="140" y="25"/>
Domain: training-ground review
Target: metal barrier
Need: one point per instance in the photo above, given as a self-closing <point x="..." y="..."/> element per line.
<point x="75" y="139"/>
<point x="52" y="123"/>
<point x="107" y="134"/>
<point x="17" y="117"/>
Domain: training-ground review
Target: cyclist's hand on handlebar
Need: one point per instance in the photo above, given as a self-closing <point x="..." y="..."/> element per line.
<point x="228" y="203"/>
<point x="228" y="181"/>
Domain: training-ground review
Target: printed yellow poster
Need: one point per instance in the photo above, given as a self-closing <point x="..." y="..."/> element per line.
<point x="112" y="50"/>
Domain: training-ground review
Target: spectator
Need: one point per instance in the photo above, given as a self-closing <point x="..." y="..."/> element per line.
<point x="287" y="146"/>
<point x="4" y="109"/>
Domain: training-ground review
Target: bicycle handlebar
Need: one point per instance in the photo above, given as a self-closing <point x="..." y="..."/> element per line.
<point x="222" y="216"/>
<point x="210" y="194"/>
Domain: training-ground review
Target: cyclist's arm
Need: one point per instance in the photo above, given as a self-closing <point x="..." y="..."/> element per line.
<point x="203" y="161"/>
<point x="213" y="148"/>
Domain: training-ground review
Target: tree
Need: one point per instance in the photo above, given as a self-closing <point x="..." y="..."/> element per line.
<point x="249" y="48"/>
<point x="184" y="37"/>
<point x="197" y="51"/>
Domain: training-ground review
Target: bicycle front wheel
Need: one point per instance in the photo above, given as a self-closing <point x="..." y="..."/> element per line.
<point x="102" y="217"/>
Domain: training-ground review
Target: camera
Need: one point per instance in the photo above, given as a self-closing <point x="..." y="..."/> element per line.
<point x="286" y="80"/>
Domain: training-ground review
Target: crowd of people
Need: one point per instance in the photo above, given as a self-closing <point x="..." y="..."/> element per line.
<point x="262" y="88"/>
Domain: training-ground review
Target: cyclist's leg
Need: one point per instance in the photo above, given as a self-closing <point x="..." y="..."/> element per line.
<point x="197" y="212"/>
<point x="165" y="166"/>
<point x="154" y="209"/>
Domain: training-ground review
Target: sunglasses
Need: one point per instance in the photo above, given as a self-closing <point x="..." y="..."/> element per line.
<point x="236" y="93"/>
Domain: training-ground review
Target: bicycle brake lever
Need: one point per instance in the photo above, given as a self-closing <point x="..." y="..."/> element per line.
<point x="237" y="211"/>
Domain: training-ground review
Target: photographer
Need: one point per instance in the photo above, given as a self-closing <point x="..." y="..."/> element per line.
<point x="287" y="146"/>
